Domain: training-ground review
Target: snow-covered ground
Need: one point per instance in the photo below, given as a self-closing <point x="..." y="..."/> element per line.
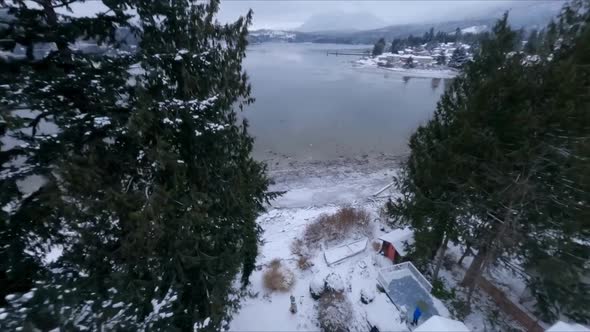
<point x="315" y="188"/>
<point x="336" y="182"/>
<point x="265" y="311"/>
<point x="320" y="187"/>
<point x="485" y="314"/>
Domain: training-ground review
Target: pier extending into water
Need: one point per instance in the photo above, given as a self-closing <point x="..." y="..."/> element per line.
<point x="337" y="53"/>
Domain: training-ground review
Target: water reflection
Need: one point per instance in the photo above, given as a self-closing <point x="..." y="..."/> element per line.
<point x="312" y="106"/>
<point x="435" y="83"/>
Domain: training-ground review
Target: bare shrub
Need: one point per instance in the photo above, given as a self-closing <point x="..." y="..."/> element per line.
<point x="376" y="246"/>
<point x="314" y="232"/>
<point x="278" y="277"/>
<point x="303" y="257"/>
<point x="275" y="263"/>
<point x="337" y="226"/>
<point x="334" y="312"/>
<point x="303" y="263"/>
<point x="298" y="247"/>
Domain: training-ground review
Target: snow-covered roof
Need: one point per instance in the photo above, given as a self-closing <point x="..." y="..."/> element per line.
<point x="475" y="29"/>
<point x="441" y="324"/>
<point x="569" y="327"/>
<point x="398" y="238"/>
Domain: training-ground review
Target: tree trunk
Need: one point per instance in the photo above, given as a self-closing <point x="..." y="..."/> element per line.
<point x="474" y="272"/>
<point x="465" y="254"/>
<point x="484" y="254"/>
<point x="474" y="269"/>
<point x="441" y="258"/>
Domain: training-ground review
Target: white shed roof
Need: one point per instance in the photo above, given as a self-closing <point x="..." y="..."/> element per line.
<point x="398" y="238"/>
<point x="567" y="327"/>
<point x="441" y="324"/>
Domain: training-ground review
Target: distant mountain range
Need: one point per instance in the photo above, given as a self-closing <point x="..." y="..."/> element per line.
<point x="340" y="21"/>
<point x="362" y="37"/>
<point x="535" y="15"/>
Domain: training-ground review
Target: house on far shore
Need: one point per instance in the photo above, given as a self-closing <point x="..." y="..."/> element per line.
<point x="394" y="243"/>
<point x="441" y="324"/>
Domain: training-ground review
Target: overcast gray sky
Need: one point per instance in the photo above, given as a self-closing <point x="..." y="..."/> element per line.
<point x="291" y="14"/>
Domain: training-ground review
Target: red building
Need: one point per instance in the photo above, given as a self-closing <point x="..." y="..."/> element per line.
<point x="394" y="243"/>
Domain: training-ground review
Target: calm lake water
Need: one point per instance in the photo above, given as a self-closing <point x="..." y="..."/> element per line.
<point x="313" y="106"/>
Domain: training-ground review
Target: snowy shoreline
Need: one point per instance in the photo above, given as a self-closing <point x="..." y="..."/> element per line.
<point x="330" y="182"/>
<point x="378" y="62"/>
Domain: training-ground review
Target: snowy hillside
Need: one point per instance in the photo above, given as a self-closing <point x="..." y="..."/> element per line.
<point x="475" y="29"/>
<point x="260" y="36"/>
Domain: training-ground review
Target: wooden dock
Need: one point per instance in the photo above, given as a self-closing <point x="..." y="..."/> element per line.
<point x="337" y="53"/>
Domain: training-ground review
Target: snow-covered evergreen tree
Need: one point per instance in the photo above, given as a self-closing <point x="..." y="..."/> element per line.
<point x="502" y="167"/>
<point x="148" y="188"/>
<point x="459" y="58"/>
<point x="58" y="104"/>
<point x="441" y="59"/>
<point x="409" y="63"/>
<point x="379" y="47"/>
<point x="203" y="189"/>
